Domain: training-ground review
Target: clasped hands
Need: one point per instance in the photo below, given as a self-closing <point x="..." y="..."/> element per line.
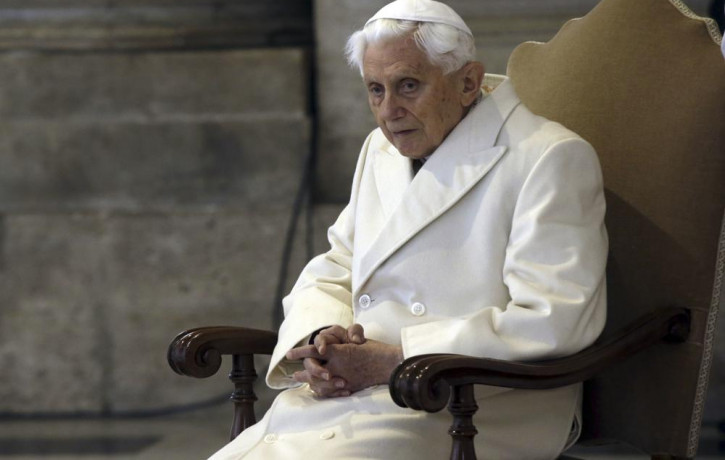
<point x="342" y="361"/>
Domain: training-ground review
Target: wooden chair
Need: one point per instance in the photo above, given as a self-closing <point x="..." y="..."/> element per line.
<point x="644" y="82"/>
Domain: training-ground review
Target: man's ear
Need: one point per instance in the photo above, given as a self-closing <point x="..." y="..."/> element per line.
<point x="472" y="75"/>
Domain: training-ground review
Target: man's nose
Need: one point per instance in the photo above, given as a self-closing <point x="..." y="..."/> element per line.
<point x="390" y="107"/>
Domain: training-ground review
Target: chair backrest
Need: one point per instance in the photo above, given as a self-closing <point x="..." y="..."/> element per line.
<point x="644" y="82"/>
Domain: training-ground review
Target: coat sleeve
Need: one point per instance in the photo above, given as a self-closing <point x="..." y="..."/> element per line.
<point x="322" y="295"/>
<point x="554" y="269"/>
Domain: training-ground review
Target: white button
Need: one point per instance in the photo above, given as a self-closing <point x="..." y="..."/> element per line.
<point x="270" y="438"/>
<point x="365" y="301"/>
<point x="418" y="309"/>
<point x="327" y="435"/>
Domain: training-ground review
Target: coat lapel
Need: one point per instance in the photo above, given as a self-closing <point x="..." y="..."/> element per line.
<point x="462" y="160"/>
<point x="393" y="174"/>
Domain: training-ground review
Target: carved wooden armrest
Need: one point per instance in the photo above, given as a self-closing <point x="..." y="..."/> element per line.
<point x="429" y="382"/>
<point x="198" y="353"/>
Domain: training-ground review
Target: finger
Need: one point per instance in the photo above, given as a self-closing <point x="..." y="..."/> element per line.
<point x="328" y="388"/>
<point x="339" y="394"/>
<point x="356" y="334"/>
<point x="323" y="340"/>
<point x="339" y="383"/>
<point x="336" y="330"/>
<point x="333" y="334"/>
<point x="315" y="369"/>
<point x="305" y="351"/>
<point x="302" y="377"/>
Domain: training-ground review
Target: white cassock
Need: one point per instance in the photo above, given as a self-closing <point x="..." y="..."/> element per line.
<point x="496" y="248"/>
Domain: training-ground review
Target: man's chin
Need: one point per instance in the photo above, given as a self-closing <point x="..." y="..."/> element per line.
<point x="409" y="152"/>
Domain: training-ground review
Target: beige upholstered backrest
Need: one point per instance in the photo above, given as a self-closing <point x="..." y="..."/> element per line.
<point x="644" y="82"/>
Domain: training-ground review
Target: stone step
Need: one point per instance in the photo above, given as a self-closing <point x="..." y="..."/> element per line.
<point x="152" y="84"/>
<point x="162" y="165"/>
<point x="96" y="298"/>
<point x="93" y="25"/>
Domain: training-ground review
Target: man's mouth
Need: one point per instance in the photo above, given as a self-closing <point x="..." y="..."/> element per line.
<point x="403" y="132"/>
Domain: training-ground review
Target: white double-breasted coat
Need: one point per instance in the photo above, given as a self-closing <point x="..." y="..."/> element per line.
<point x="496" y="248"/>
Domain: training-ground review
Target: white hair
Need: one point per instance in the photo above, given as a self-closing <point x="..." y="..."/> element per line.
<point x="446" y="47"/>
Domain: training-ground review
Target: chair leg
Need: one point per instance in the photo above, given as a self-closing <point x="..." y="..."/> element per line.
<point x="243" y="376"/>
<point x="463" y="406"/>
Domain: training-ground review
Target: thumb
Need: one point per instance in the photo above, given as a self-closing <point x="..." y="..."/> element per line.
<point x="356" y="334"/>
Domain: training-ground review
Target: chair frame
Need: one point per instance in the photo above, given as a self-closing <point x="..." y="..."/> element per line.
<point x="430" y="382"/>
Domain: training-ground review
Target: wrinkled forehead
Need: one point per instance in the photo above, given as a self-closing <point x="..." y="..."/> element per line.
<point x="398" y="56"/>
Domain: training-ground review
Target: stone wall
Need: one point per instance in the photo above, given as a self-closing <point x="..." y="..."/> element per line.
<point x="146" y="181"/>
<point x="83" y="25"/>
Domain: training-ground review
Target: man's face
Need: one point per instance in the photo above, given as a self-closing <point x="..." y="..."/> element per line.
<point x="415" y="105"/>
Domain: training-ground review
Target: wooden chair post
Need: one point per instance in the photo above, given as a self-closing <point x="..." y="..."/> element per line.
<point x="462" y="406"/>
<point x="243" y="376"/>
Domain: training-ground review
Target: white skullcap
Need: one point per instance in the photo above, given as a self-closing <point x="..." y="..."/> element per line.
<point x="421" y="11"/>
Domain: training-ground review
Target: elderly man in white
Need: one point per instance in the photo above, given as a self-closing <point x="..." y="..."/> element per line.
<point x="495" y="247"/>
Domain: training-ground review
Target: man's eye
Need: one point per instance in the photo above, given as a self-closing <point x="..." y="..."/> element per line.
<point x="375" y="91"/>
<point x="408" y="86"/>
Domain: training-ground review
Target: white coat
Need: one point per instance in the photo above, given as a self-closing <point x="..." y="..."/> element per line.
<point x="496" y="248"/>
